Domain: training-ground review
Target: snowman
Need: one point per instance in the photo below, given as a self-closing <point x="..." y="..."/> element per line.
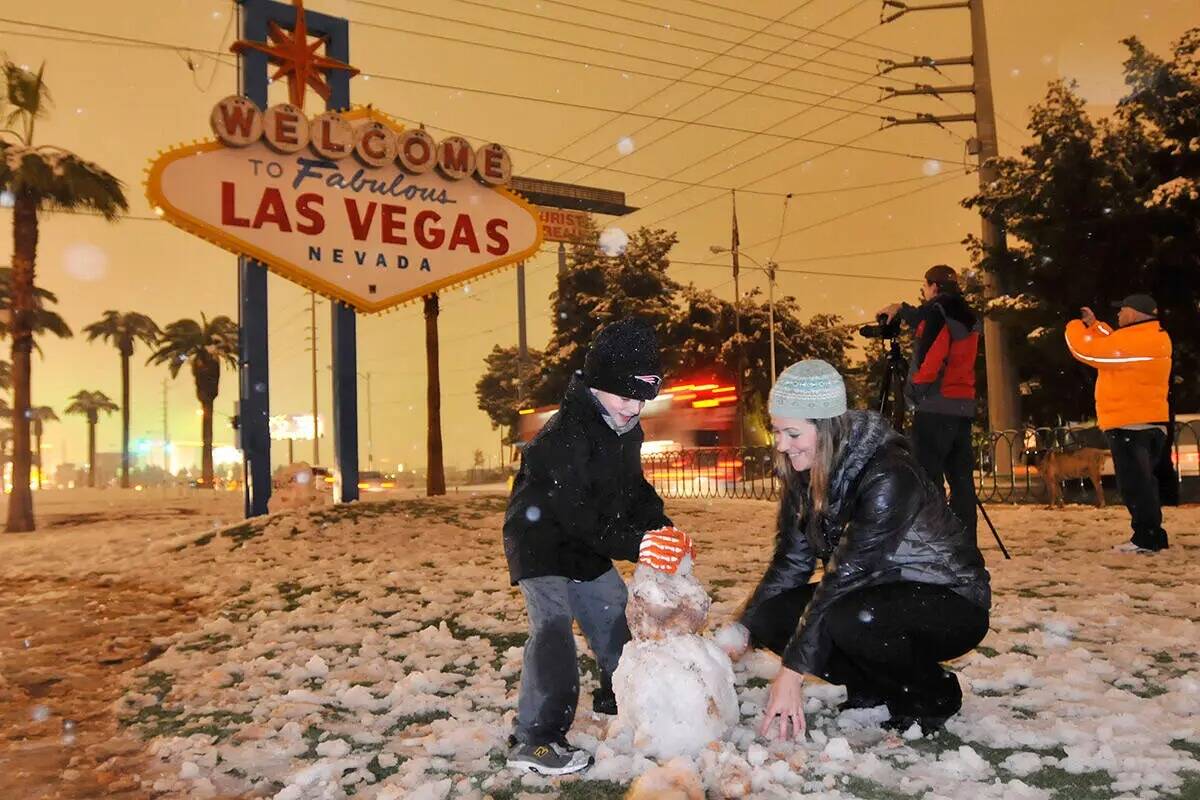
<point x="666" y="613"/>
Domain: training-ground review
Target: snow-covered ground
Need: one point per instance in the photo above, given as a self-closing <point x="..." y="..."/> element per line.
<point x="373" y="650"/>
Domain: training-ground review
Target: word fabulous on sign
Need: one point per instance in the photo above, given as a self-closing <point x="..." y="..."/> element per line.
<point x="349" y="204"/>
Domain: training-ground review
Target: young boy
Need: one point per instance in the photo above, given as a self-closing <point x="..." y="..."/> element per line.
<point x="578" y="502"/>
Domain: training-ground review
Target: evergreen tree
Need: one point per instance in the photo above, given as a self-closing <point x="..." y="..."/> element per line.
<point x="1097" y="210"/>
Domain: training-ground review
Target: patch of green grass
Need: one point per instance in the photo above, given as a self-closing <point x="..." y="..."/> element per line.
<point x="987" y="651"/>
<point x="383" y="772"/>
<point x="415" y="719"/>
<point x="205" y="539"/>
<point x="1025" y="629"/>
<point x="210" y="642"/>
<point x="864" y="789"/>
<point x="154" y="721"/>
<point x="592" y="790"/>
<point x="757" y="683"/>
<point x="220" y="724"/>
<point x="345" y="594"/>
<point x="1190" y="787"/>
<point x="1084" y="786"/>
<point x="240" y="534"/>
<point x="723" y="583"/>
<point x="1186" y="746"/>
<point x="312" y="736"/>
<point x="1163" y="657"/>
<point x="1023" y="649"/>
<point x="291" y="592"/>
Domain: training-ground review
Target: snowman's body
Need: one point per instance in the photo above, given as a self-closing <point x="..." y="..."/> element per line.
<point x="674" y="687"/>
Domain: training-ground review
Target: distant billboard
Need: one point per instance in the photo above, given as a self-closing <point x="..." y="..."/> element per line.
<point x="294" y="426"/>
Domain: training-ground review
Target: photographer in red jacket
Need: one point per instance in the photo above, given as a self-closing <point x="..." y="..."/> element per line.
<point x="941" y="386"/>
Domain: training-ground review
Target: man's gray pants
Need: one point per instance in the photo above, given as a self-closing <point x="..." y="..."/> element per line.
<point x="550" y="675"/>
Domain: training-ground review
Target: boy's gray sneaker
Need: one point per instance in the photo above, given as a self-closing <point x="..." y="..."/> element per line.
<point x="554" y="758"/>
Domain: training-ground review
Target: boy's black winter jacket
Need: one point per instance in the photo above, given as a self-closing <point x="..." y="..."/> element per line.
<point x="580" y="499"/>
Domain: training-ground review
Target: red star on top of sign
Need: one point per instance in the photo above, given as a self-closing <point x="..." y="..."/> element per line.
<point x="296" y="57"/>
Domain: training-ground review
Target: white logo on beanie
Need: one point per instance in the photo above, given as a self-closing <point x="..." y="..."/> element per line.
<point x="652" y="380"/>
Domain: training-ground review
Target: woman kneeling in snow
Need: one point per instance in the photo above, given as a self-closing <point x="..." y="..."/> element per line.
<point x="903" y="587"/>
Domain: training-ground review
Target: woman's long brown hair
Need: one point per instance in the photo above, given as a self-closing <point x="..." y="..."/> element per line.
<point x="830" y="441"/>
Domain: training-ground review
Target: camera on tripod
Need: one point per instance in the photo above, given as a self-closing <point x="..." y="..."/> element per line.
<point x="882" y="329"/>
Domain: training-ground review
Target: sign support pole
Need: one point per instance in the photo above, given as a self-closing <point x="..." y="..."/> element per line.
<point x="344" y="338"/>
<point x="254" y="378"/>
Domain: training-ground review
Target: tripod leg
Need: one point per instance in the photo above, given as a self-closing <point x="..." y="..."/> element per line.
<point x="988" y="520"/>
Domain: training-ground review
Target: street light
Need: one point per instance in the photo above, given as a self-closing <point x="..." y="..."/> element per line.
<point x="768" y="268"/>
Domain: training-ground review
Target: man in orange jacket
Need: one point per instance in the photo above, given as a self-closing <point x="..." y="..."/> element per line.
<point x="1133" y="365"/>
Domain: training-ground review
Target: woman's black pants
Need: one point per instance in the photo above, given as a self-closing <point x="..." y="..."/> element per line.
<point x="886" y="642"/>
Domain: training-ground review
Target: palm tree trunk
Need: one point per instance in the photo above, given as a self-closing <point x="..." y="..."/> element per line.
<point x="91" y="454"/>
<point x="124" y="421"/>
<point x="206" y="463"/>
<point x="25" y="239"/>
<point x="435" y="478"/>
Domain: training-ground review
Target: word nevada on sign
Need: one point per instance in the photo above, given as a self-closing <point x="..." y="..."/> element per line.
<point x="351" y="205"/>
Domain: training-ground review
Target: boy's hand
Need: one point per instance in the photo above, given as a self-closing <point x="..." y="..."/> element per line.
<point x="664" y="548"/>
<point x="1087" y="316"/>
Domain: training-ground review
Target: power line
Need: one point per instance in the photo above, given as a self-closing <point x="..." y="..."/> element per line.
<point x="745" y="13"/>
<point x="625" y="71"/>
<point x="634" y="105"/>
<point x="128" y="40"/>
<point x="660" y="118"/>
<point x="664" y="179"/>
<point x="830" y="149"/>
<point x="677" y="29"/>
<point x="851" y="212"/>
<point x="476" y="90"/>
<point x="728" y="102"/>
<point x="658" y="42"/>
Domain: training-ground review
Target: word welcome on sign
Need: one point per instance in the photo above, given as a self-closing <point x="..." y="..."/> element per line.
<point x="351" y="205"/>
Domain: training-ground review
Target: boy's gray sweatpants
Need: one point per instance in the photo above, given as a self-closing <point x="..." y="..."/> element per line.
<point x="550" y="675"/>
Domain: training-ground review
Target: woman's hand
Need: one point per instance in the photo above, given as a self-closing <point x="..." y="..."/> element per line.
<point x="734" y="639"/>
<point x="785" y="704"/>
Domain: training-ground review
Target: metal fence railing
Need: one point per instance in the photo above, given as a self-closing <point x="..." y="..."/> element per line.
<point x="1006" y="467"/>
<point x="737" y="472"/>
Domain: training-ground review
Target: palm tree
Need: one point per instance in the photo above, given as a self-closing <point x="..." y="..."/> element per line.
<point x="124" y="330"/>
<point x="38" y="177"/>
<point x="207" y="344"/>
<point x="88" y="404"/>
<point x="39" y="416"/>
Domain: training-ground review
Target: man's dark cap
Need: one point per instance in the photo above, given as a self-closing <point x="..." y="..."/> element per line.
<point x="1138" y="302"/>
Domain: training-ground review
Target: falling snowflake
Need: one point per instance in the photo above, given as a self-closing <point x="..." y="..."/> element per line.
<point x="931" y="167"/>
<point x="613" y="241"/>
<point x="625" y="145"/>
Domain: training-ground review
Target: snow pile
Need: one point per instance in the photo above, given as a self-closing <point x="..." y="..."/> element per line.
<point x="674" y="687"/>
<point x="294" y="486"/>
<point x="373" y="651"/>
<point x="675" y="780"/>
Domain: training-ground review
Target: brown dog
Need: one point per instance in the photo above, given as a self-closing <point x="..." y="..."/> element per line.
<point x="1085" y="462"/>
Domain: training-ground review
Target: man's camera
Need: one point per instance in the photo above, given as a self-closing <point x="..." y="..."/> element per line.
<point x="882" y="329"/>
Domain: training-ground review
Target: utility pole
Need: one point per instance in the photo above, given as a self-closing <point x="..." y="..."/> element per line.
<point x="1003" y="401"/>
<point x="737" y="325"/>
<point x="522" y="339"/>
<point x="312" y="339"/>
<point x="370" y="427"/>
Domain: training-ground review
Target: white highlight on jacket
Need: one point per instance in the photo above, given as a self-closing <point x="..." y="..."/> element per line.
<point x="1104" y="330"/>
